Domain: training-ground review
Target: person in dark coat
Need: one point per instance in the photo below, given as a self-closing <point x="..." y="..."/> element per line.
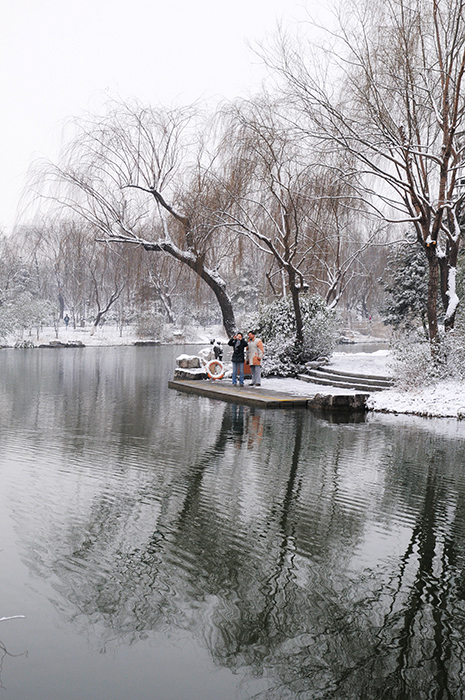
<point x="238" y="345"/>
<point x="217" y="349"/>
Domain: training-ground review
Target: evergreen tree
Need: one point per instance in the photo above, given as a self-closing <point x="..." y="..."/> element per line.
<point x="407" y="288"/>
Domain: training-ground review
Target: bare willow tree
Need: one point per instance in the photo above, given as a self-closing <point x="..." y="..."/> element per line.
<point x="260" y="177"/>
<point x="342" y="235"/>
<point x="297" y="212"/>
<point x="391" y="96"/>
<point x="130" y="175"/>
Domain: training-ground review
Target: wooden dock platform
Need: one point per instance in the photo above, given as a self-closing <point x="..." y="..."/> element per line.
<point x="266" y="398"/>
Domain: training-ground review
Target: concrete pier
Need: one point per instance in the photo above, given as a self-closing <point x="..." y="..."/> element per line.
<point x="265" y="398"/>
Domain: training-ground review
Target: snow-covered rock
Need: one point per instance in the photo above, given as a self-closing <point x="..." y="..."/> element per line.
<point x="188" y="361"/>
<point x="185" y="373"/>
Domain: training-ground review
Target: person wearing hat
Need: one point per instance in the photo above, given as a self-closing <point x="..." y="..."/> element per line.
<point x="255" y="353"/>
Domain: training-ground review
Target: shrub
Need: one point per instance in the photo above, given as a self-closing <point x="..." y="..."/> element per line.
<point x="24" y="344"/>
<point x="275" y="324"/>
<point x="418" y="363"/>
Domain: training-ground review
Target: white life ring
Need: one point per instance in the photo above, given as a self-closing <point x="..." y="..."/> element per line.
<point x="215" y="369"/>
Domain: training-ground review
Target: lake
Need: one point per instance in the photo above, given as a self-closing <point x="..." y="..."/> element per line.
<point x="164" y="546"/>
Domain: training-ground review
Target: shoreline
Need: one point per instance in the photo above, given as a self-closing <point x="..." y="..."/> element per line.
<point x="441" y="400"/>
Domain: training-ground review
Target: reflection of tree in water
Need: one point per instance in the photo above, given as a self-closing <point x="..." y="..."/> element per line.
<point x="267" y="594"/>
<point x="420" y="626"/>
<point x="4" y="651"/>
<point x="404" y="639"/>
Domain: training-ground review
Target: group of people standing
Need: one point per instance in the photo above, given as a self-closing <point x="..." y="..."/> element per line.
<point x="250" y="350"/>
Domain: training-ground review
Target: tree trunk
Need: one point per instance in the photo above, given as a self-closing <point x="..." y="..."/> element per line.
<point x="229" y="322"/>
<point x="299" y="326"/>
<point x="196" y="262"/>
<point x="61" y="303"/>
<point x="446" y="263"/>
<point x="216" y="284"/>
<point x="96" y="322"/>
<point x="433" y="280"/>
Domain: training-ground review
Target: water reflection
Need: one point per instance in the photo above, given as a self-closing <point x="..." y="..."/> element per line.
<point x="325" y="556"/>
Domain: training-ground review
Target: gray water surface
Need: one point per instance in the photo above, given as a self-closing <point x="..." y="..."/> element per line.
<point x="164" y="546"/>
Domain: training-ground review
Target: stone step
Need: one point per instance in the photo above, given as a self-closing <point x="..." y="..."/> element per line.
<point x="367" y="388"/>
<point x="384" y="381"/>
<point x="345" y="380"/>
<point x="356" y="379"/>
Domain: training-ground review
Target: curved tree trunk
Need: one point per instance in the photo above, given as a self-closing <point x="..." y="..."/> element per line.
<point x="197" y="264"/>
<point x="194" y="260"/>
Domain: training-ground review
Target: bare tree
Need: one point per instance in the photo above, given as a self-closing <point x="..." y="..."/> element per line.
<point x="108" y="276"/>
<point x="263" y="199"/>
<point x="295" y="210"/>
<point x="75" y="271"/>
<point x="128" y="175"/>
<point x="161" y="285"/>
<point x="391" y="98"/>
<point x="342" y="233"/>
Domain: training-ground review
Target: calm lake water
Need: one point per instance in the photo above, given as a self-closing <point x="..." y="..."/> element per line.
<point x="169" y="547"/>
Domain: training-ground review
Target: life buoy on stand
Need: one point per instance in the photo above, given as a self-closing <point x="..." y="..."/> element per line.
<point x="215" y="369"/>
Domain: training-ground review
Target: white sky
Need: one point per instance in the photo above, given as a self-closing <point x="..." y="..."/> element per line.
<point x="60" y="58"/>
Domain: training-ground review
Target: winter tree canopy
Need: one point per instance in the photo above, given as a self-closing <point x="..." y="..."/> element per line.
<point x="391" y="96"/>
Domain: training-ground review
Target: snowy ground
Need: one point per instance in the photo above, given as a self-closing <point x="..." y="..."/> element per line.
<point x="443" y="400"/>
<point x="109" y="335"/>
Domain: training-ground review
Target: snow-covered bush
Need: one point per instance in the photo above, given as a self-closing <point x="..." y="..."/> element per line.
<point x="452" y="356"/>
<point x="411" y="364"/>
<point x="150" y="324"/>
<point x="416" y="362"/>
<point x="22" y="312"/>
<point x="24" y="344"/>
<point x="275" y="324"/>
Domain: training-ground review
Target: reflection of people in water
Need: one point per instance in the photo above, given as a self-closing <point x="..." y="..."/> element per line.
<point x="237" y="423"/>
<point x="255" y="429"/>
<point x="243" y="423"/>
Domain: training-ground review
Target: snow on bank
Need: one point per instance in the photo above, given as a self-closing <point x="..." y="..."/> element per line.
<point x="443" y="400"/>
<point x="439" y="400"/>
<point x="109" y="335"/>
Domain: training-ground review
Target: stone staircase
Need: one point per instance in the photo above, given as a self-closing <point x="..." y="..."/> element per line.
<point x="346" y="380"/>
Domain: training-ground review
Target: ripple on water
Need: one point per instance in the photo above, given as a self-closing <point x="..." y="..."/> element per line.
<point x="261" y="537"/>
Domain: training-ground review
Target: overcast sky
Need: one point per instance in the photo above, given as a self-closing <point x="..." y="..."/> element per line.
<point x="59" y="59"/>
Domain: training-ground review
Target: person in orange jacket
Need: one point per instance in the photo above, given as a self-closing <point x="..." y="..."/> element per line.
<point x="255" y="353"/>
